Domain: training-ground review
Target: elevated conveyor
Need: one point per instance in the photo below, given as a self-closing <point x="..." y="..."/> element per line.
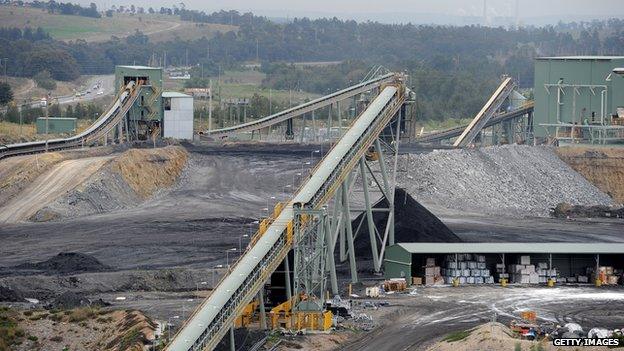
<point x="214" y="317"/>
<point x="457" y="131"/>
<point x="100" y="128"/>
<point x="486" y="113"/>
<point x="304" y="108"/>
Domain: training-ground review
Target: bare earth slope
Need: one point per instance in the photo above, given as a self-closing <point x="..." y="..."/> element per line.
<point x="49" y="186"/>
<point x="602" y="166"/>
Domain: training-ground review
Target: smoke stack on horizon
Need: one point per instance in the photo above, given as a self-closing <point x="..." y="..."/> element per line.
<point x="485" y="12"/>
<point x="517" y="14"/>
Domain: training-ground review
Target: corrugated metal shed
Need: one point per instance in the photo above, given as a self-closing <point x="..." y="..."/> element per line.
<point x="56" y="125"/>
<point x="528" y="248"/>
<point x="580" y="58"/>
<point x="174" y="94"/>
<point x="579" y="90"/>
<point x="178" y="116"/>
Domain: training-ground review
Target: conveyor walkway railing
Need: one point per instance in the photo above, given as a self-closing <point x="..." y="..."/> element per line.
<point x="100" y="128"/>
<point x="213" y="318"/>
<point x="303" y="108"/>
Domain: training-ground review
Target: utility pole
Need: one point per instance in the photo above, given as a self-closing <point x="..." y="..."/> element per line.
<point x="6" y="63"/>
<point x="210" y="106"/>
<point x="257" y="56"/>
<point x="47" y="118"/>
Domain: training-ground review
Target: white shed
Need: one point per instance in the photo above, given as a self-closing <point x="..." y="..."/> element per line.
<point x="178" y="115"/>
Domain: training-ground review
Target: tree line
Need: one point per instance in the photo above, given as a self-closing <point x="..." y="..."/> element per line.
<point x="444" y="61"/>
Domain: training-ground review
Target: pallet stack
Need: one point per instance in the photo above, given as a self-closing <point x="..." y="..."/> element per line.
<point x="524" y="272"/>
<point x="468" y="269"/>
<point x="432" y="273"/>
<point x="607" y="275"/>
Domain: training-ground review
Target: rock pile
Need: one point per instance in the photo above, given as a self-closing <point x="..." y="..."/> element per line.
<point x="510" y="180"/>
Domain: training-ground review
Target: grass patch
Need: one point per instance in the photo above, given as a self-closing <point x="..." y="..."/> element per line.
<point x="457" y="336"/>
<point x="81" y="314"/>
<point x="10" y="332"/>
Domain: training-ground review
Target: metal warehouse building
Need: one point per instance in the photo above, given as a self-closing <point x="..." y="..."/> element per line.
<point x="579" y="98"/>
<point x="405" y="260"/>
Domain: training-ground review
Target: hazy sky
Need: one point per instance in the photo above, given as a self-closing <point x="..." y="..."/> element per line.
<point x="369" y="9"/>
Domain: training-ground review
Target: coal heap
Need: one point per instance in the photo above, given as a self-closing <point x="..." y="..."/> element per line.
<point x="8" y="294"/>
<point x="67" y="262"/>
<point x="413" y="223"/>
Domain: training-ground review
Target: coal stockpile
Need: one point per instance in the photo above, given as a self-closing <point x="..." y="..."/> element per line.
<point x="508" y="181"/>
<point x="66" y="263"/>
<point x="413" y="223"/>
<point x="10" y="295"/>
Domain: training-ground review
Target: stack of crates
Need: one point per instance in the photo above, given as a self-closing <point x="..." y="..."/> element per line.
<point x="524" y="272"/>
<point x="468" y="269"/>
<point x="432" y="273"/>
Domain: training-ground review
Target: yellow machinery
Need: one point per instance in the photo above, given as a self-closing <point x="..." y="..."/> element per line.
<point x="281" y="316"/>
<point x="372" y="155"/>
<point x="246" y="317"/>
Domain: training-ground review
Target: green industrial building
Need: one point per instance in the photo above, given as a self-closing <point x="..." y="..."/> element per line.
<point x="56" y="125"/>
<point x="579" y="99"/>
<point x="146" y="115"/>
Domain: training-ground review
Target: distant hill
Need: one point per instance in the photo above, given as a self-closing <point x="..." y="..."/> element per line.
<point x="65" y="27"/>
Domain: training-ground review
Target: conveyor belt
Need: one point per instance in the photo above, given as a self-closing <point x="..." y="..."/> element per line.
<point x="457" y="131"/>
<point x="97" y="130"/>
<point x="303" y="108"/>
<point x="212" y="319"/>
<point x="486" y="113"/>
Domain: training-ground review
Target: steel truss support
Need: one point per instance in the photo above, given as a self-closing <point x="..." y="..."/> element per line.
<point x="339" y="233"/>
<point x="310" y="228"/>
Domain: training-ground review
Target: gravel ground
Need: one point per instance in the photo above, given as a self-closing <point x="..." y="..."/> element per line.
<point x="510" y="180"/>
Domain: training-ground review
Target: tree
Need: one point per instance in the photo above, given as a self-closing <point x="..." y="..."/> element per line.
<point x="12" y="114"/>
<point x="69" y="111"/>
<point x="109" y="13"/>
<point x="44" y="80"/>
<point x="54" y="110"/>
<point x="60" y="64"/>
<point x="6" y="94"/>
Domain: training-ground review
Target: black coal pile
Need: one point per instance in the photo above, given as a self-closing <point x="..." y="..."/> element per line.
<point x="566" y="210"/>
<point x="66" y="263"/>
<point x="70" y="299"/>
<point x="10" y="295"/>
<point x="413" y="223"/>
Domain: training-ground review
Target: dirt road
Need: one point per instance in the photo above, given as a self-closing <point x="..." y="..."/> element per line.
<point x="49" y="186"/>
<point x="414" y="321"/>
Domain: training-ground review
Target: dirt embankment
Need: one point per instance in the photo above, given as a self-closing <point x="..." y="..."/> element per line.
<point x="126" y="181"/>
<point x="493" y="336"/>
<point x="69" y="184"/>
<point x="602" y="166"/>
<point x="16" y="172"/>
<point x="148" y="170"/>
<point x="82" y="328"/>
